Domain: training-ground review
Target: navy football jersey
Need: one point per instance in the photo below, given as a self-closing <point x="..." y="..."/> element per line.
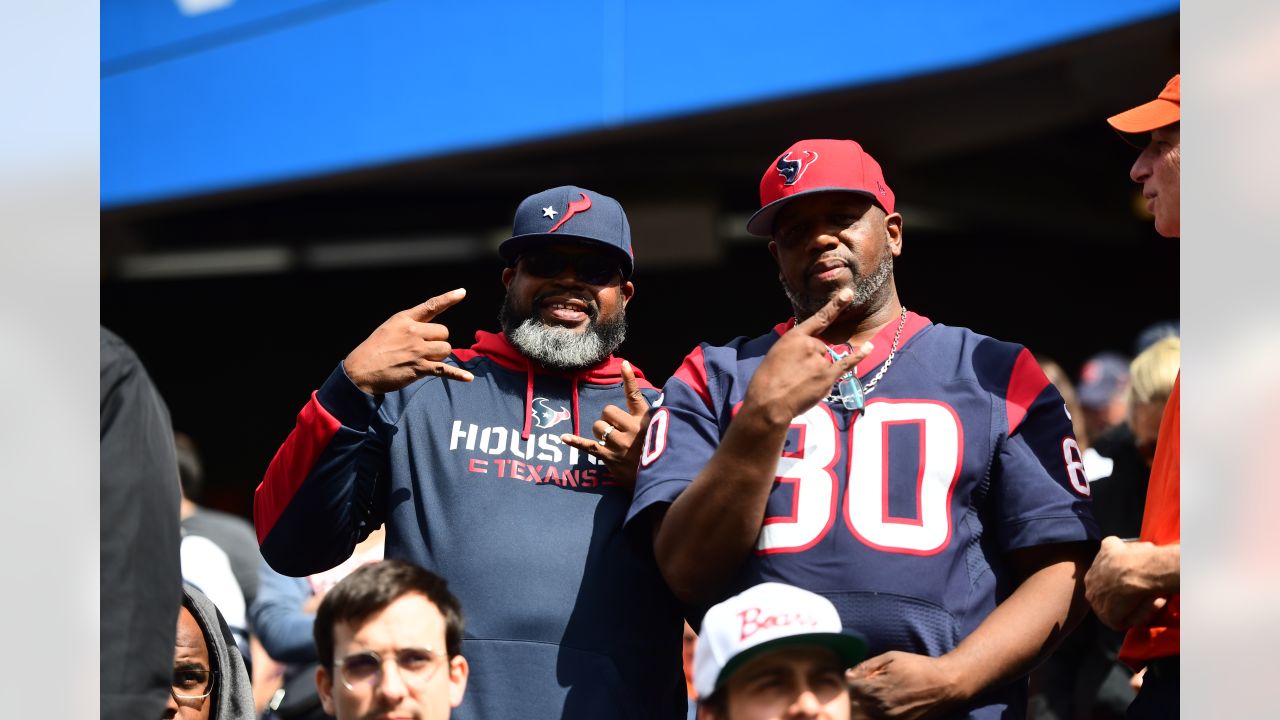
<point x="900" y="514"/>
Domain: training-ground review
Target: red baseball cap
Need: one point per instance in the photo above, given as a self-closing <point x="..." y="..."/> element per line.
<point x="1164" y="110"/>
<point x="812" y="166"/>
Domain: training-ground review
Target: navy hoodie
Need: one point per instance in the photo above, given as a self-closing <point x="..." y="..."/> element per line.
<point x="565" y="617"/>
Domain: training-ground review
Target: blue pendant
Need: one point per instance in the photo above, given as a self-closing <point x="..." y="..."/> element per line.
<point x="849" y="390"/>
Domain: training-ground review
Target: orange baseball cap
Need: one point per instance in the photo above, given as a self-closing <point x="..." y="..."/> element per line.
<point x="1164" y="110"/>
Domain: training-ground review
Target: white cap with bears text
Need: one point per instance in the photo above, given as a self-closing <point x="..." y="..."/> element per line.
<point x="763" y="618"/>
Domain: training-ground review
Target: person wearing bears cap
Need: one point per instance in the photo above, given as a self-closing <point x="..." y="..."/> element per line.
<point x="774" y="651"/>
<point x="922" y="478"/>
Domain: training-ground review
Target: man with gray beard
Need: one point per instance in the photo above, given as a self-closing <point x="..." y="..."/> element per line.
<point x="923" y="478"/>
<point x="555" y="346"/>
<point x="475" y="461"/>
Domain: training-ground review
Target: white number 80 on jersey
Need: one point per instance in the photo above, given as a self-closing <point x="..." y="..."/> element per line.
<point x="811" y="471"/>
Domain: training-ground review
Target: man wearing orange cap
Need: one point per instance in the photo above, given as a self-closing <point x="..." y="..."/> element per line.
<point x="1134" y="585"/>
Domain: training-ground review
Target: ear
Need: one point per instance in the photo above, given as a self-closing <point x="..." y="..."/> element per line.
<point x="628" y="290"/>
<point x="893" y="229"/>
<point x="508" y="274"/>
<point x="773" y="250"/>
<point x="324" y="687"/>
<point x="458" y="672"/>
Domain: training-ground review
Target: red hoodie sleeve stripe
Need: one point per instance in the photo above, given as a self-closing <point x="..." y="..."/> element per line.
<point x="1025" y="385"/>
<point x="291" y="465"/>
<point x="693" y="372"/>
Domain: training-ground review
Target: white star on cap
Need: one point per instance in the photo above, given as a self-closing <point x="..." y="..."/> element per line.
<point x="549" y="212"/>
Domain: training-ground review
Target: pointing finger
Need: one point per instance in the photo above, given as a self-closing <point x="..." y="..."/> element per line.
<point x="850" y="361"/>
<point x="583" y="444"/>
<point x="636" y="403"/>
<point x="449" y="372"/>
<point x="819" y="321"/>
<point x="436" y="305"/>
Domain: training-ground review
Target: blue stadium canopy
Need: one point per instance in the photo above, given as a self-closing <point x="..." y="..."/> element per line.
<point x="203" y="96"/>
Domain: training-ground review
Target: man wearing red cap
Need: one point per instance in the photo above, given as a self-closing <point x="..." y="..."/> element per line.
<point x="922" y="478"/>
<point x="1135" y="585"/>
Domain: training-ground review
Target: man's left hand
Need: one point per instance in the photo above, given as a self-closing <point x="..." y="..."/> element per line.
<point x="902" y="685"/>
<point x="617" y="447"/>
<point x="1130" y="582"/>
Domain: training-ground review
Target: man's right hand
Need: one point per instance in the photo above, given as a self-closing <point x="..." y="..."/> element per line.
<point x="406" y="347"/>
<point x="797" y="372"/>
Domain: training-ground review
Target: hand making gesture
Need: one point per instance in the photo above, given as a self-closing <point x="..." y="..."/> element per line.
<point x="406" y="347"/>
<point x="618" y="430"/>
<point x="798" y="372"/>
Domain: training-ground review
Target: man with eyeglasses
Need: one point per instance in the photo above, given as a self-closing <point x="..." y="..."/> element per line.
<point x="389" y="639"/>
<point x="209" y="677"/>
<point x="476" y="461"/>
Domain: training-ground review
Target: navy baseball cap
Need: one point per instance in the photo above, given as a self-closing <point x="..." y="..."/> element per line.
<point x="571" y="214"/>
<point x="1103" y="376"/>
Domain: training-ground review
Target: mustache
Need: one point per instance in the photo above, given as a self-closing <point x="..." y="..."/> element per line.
<point x="592" y="310"/>
<point x="831" y="259"/>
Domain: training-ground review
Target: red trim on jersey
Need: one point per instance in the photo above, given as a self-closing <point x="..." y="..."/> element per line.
<point x="1026" y="382"/>
<point x="655" y="435"/>
<point x="885" y="516"/>
<point x="955" y="475"/>
<point x="794" y="515"/>
<point x="883" y="340"/>
<point x="291" y="465"/>
<point x="834" y="510"/>
<point x="1075" y="465"/>
<point x="693" y="372"/>
<point x="802" y="430"/>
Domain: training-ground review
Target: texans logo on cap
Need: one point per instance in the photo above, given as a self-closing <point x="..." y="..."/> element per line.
<point x="792" y="170"/>
<point x="575" y="206"/>
<point x="575" y="214"/>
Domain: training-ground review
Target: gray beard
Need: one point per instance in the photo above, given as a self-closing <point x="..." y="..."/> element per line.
<point x="806" y="304"/>
<point x="559" y="348"/>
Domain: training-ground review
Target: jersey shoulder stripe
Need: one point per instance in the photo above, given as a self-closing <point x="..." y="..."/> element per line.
<point x="1026" y="382"/>
<point x="693" y="372"/>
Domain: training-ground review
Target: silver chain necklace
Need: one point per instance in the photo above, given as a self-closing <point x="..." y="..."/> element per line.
<point x="850" y="392"/>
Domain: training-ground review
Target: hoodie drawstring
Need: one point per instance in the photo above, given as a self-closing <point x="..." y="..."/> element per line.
<point x="497" y="348"/>
<point x="528" y="406"/>
<point x="576" y="430"/>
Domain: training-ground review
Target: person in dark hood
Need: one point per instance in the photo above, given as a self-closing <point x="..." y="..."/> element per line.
<point x="209" y="677"/>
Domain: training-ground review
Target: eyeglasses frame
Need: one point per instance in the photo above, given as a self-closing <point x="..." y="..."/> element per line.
<point x="437" y="656"/>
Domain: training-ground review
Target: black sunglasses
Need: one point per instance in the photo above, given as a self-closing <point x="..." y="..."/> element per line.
<point x="591" y="269"/>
